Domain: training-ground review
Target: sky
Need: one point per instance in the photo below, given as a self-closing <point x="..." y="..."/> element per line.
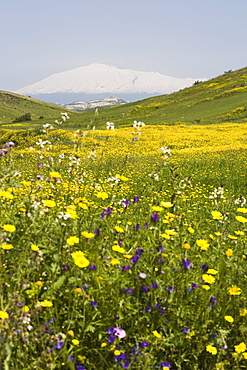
<point x="179" y="38"/>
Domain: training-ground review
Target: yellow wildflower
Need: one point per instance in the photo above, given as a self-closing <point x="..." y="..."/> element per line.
<point x="55" y="174"/>
<point x="203" y="244"/>
<point x="34" y="247"/>
<point x="119" y="229"/>
<point x="72" y="240"/>
<point x="75" y="342"/>
<point x="7" y="246"/>
<point x="229" y="318"/>
<point x="191" y="230"/>
<point x="87" y="235"/>
<point x="102" y="194"/>
<point x="115" y="261"/>
<point x="241" y="219"/>
<point x="10" y="228"/>
<point x="46" y="303"/>
<point x="49" y="203"/>
<point x="156" y="334"/>
<point x="211" y="349"/>
<point x="4" y="315"/>
<point x="234" y="290"/>
<point x="229" y="252"/>
<point x="208" y="278"/>
<point x="240" y="347"/>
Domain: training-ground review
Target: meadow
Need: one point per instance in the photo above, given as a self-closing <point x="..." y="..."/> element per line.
<point x="123" y="247"/>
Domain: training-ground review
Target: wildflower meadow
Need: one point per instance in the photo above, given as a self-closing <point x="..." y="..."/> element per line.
<point x="123" y="247"/>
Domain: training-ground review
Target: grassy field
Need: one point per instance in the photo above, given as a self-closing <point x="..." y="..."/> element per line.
<point x="126" y="248"/>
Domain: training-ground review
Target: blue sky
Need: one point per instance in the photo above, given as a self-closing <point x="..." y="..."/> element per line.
<point x="179" y="38"/>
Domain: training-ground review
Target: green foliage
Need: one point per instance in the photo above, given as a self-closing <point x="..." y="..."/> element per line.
<point x="24" y="118"/>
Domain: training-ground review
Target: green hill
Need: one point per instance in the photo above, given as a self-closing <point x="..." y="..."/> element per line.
<point x="13" y="106"/>
<point x="221" y="99"/>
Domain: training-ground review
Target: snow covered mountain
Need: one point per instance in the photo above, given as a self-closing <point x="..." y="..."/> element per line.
<point x="101" y="78"/>
<point x="80" y="105"/>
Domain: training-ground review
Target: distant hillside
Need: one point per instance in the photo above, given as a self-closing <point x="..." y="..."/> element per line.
<point x="220" y="99"/>
<point x="14" y="105"/>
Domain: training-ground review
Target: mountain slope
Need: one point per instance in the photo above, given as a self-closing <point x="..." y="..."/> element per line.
<point x="101" y="78"/>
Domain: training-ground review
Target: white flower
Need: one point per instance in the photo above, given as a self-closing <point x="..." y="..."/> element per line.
<point x="109" y="125"/>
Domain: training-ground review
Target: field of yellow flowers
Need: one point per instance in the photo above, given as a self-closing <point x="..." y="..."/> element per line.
<point x="123" y="248"/>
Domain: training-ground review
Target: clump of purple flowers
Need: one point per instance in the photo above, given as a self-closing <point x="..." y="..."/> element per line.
<point x="6" y="148"/>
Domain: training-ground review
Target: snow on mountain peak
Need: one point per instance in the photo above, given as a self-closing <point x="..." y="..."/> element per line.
<point x="98" y="78"/>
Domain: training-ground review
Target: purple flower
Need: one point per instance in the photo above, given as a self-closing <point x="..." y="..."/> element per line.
<point x="111" y="330"/>
<point x="120" y="242"/>
<point x="128" y="291"/>
<point x="92" y="267"/>
<point x="154" y="285"/>
<point x="161" y="312"/>
<point x="111" y="339"/>
<point x="186" y="263"/>
<point x="139" y="251"/>
<point x="70" y="359"/>
<point x="59" y="345"/>
<point x="213" y="300"/>
<point x="10" y="143"/>
<point x="170" y="289"/>
<point x="194" y="285"/>
<point x="120" y="333"/>
<point x="65" y="267"/>
<point x="144" y="344"/>
<point x="148" y="309"/>
<point x="155" y="217"/>
<point x="186" y="330"/>
<point x="165" y="364"/>
<point x="136" y="199"/>
<point x="137" y="227"/>
<point x="145" y="226"/>
<point x="39" y="164"/>
<point x="108" y="211"/>
<point x="144" y="288"/>
<point x="80" y="367"/>
<point x="126" y="203"/>
<point x="134" y="259"/>
<point x="204" y="267"/>
<point x="126" y="268"/>
<point x="94" y="303"/>
<point x="96" y="232"/>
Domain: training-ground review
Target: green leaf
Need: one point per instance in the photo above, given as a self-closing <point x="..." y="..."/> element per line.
<point x="60" y="281"/>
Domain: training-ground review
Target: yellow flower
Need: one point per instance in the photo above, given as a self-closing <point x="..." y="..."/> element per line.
<point x="78" y="290"/>
<point x="211" y="349"/>
<point x="119" y="229"/>
<point x="239" y="232"/>
<point x="242" y="210"/>
<point x="4" y="315"/>
<point x="165" y="236"/>
<point x="233" y="237"/>
<point x="229" y="252"/>
<point x="156" y="334"/>
<point x="234" y="355"/>
<point x="121" y="177"/>
<point x="39" y="283"/>
<point x="216" y="215"/>
<point x="72" y="240"/>
<point x="83" y="206"/>
<point x="25" y="309"/>
<point x="70" y="332"/>
<point x="234" y="290"/>
<point x="243" y="312"/>
<point x="171" y="232"/>
<point x="46" y="303"/>
<point x="81" y="261"/>
<point x="119" y="249"/>
<point x="206" y="287"/>
<point x="203" y="244"/>
<point x="49" y="203"/>
<point x="208" y="278"/>
<point x="104" y="344"/>
<point x="157" y="209"/>
<point x="77" y="254"/>
<point x="81" y="358"/>
<point x="34" y="247"/>
<point x="240" y="347"/>
<point x="115" y="261"/>
<point x="128" y="256"/>
<point x="241" y="219"/>
<point x="218" y="233"/>
<point x="212" y="271"/>
<point x="75" y="342"/>
<point x="245" y="355"/>
<point x="191" y="230"/>
<point x="101" y="194"/>
<point x="186" y="246"/>
<point x="166" y="204"/>
<point x="6" y="194"/>
<point x="229" y="318"/>
<point x="55" y="174"/>
<point x="9" y="228"/>
<point x="87" y="235"/>
<point x="7" y="246"/>
<point x="117" y="352"/>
